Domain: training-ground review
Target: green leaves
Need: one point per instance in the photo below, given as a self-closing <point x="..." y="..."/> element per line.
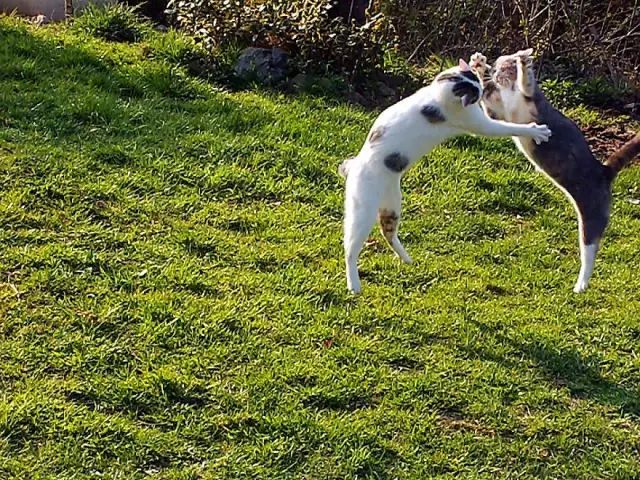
<point x="307" y="29"/>
<point x="115" y="22"/>
<point x="172" y="299"/>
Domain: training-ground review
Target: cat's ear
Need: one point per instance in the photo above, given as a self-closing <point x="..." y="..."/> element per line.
<point x="464" y="66"/>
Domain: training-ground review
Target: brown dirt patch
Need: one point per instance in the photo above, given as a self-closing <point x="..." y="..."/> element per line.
<point x="605" y="138"/>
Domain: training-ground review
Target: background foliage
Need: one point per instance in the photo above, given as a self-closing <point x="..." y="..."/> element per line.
<point x="586" y="37"/>
<point x="309" y="29"/>
<point x="172" y="304"/>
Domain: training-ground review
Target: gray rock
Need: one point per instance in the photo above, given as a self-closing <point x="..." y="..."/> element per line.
<point x="359" y="99"/>
<point x="267" y="65"/>
<point x="301" y="81"/>
<point x="385" y="90"/>
<point x="325" y="83"/>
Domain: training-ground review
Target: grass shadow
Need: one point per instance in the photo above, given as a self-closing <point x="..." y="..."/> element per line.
<point x="64" y="90"/>
<point x="563" y="368"/>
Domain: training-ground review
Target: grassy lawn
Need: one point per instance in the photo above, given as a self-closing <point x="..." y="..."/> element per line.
<point x="173" y="303"/>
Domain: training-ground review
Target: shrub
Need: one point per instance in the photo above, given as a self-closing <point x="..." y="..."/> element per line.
<point x="351" y="37"/>
<point x="597" y="91"/>
<point x="587" y="37"/>
<point x="181" y="50"/>
<point x="318" y="40"/>
<point x="114" y="22"/>
<point x="600" y="92"/>
<point x="562" y="94"/>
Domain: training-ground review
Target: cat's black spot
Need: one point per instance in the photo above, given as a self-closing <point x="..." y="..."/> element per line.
<point x="448" y="77"/>
<point x="527" y="98"/>
<point x="489" y="89"/>
<point x="396" y="162"/>
<point x="376" y="134"/>
<point x="470" y="75"/>
<point x="461" y="89"/>
<point x="432" y="114"/>
<point x="458" y="77"/>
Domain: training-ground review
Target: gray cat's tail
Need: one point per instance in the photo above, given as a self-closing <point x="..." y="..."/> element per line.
<point x="621" y="157"/>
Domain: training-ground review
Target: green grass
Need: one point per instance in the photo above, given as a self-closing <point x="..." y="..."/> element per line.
<point x="172" y="300"/>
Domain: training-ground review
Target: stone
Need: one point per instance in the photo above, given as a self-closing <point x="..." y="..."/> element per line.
<point x="385" y="90"/>
<point x="267" y="65"/>
<point x="301" y="81"/>
<point x="325" y="83"/>
<point x="358" y="99"/>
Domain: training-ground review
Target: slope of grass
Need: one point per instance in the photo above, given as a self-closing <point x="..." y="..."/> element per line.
<point x="172" y="300"/>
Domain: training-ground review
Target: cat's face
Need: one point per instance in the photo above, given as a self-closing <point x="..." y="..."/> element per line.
<point x="465" y="85"/>
<point x="505" y="71"/>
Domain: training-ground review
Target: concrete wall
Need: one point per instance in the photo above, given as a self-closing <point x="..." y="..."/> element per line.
<point x="53" y="9"/>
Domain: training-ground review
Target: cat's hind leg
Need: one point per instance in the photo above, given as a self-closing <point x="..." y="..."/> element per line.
<point x="362" y="198"/>
<point x="592" y="224"/>
<point x="587" y="259"/>
<point x="389" y="217"/>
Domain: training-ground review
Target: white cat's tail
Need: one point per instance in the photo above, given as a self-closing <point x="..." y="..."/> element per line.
<point x="343" y="168"/>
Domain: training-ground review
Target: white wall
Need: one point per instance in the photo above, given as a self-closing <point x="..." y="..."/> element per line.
<point x="54" y="9"/>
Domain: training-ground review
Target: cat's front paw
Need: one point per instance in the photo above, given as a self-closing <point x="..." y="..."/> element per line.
<point x="478" y="62"/>
<point x="540" y="133"/>
<point x="525" y="57"/>
<point x="527" y="53"/>
<point x="524" y="62"/>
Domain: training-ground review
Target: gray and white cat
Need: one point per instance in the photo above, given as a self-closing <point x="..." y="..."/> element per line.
<point x="511" y="93"/>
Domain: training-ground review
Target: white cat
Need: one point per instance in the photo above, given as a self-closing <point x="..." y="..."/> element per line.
<point x="400" y="136"/>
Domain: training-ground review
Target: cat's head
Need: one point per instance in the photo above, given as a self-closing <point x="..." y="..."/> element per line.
<point x="464" y="85"/>
<point x="505" y="70"/>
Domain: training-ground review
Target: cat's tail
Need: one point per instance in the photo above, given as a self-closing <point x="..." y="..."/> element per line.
<point x="343" y="168"/>
<point x="621" y="157"/>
